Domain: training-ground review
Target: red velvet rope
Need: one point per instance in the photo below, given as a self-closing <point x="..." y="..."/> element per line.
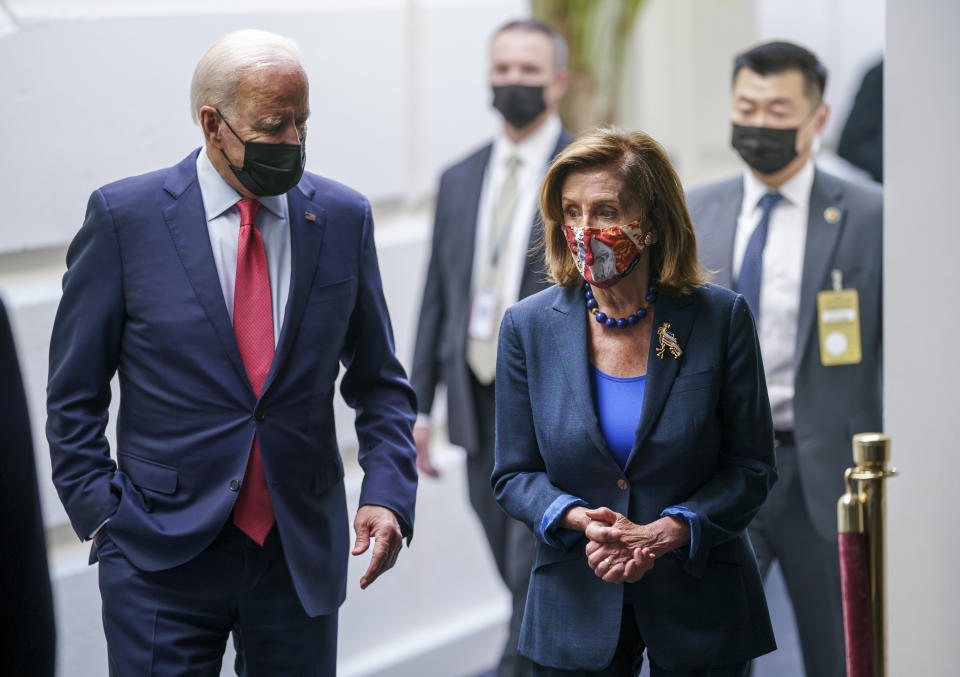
<point x="858" y="628"/>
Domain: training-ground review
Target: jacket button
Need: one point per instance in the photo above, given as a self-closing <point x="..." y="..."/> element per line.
<point x="234" y="485"/>
<point x="622" y="484"/>
<point x="259" y="415"/>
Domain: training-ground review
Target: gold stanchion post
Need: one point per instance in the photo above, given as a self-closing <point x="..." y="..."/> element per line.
<point x="871" y="453"/>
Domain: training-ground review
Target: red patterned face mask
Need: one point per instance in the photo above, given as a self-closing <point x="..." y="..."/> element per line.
<point x="604" y="256"/>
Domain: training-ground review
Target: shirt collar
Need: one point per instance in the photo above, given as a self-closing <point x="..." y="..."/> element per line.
<point x="533" y="151"/>
<point x="219" y="196"/>
<point x="796" y="189"/>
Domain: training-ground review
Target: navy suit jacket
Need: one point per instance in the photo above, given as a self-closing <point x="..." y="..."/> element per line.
<point x="704" y="441"/>
<point x="141" y="298"/>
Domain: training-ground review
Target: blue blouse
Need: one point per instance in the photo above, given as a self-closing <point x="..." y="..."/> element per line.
<point x="618" y="401"/>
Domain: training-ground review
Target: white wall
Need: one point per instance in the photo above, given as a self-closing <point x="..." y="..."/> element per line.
<point x="95" y="91"/>
<point x="921" y="362"/>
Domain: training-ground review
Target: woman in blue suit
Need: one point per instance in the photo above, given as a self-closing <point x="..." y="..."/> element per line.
<point x="633" y="431"/>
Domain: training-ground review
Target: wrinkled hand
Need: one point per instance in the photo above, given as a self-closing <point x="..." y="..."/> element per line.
<point x="620" y="551"/>
<point x="380" y="524"/>
<point x="421" y="437"/>
<point x="617" y="564"/>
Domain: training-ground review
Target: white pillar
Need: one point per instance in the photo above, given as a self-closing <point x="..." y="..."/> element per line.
<point x="922" y="362"/>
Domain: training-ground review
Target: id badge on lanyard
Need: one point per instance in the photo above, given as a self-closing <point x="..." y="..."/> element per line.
<point x="838" y="320"/>
<point x="483" y="315"/>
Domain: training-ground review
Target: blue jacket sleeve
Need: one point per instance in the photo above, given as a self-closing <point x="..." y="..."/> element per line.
<point x="520" y="482"/>
<point x="84" y="354"/>
<point x="746" y="467"/>
<point x="376" y="387"/>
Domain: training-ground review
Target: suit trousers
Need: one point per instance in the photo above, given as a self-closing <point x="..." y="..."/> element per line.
<point x="176" y="621"/>
<point x="511" y="543"/>
<point x="628" y="659"/>
<point x="783" y="531"/>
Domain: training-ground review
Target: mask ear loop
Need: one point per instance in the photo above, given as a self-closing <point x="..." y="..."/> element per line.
<point x="229" y="162"/>
<point x="228" y="126"/>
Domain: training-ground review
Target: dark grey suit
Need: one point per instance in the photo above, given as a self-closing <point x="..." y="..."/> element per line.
<point x="798" y="525"/>
<point x="440" y="356"/>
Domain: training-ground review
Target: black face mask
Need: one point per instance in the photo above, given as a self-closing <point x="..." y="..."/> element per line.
<point x="268" y="168"/>
<point x="519" y="104"/>
<point x="765" y="149"/>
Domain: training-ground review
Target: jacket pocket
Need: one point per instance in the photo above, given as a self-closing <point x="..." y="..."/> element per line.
<point x="694" y="381"/>
<point x="546" y="555"/>
<point x="330" y="290"/>
<point x="147" y="474"/>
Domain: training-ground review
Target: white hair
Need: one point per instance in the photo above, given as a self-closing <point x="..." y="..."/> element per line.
<point x="231" y="59"/>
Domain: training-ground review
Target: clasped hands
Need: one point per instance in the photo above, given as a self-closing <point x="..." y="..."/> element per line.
<point x="620" y="551"/>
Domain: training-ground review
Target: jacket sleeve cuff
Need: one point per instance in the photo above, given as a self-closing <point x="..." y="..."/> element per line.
<point x="96" y="531"/>
<point x="692" y="520"/>
<point x="550" y="530"/>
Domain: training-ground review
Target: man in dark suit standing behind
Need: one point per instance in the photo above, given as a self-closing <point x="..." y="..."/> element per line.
<point x="227" y="292"/>
<point x="485" y="227"/>
<point x="26" y="604"/>
<point x="804" y="249"/>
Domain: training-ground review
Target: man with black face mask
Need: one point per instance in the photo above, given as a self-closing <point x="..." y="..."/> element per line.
<point x="226" y="292"/>
<point x="480" y="263"/>
<point x="788" y="236"/>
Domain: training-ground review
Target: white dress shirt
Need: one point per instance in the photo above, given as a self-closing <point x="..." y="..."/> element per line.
<point x="534" y="152"/>
<point x="223" y="226"/>
<point x="780" y="284"/>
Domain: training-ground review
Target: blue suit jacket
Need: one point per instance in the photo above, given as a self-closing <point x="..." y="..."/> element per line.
<point x="704" y="441"/>
<point x="141" y="298"/>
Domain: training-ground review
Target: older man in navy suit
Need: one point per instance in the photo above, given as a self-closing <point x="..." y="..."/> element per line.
<point x="226" y="292"/>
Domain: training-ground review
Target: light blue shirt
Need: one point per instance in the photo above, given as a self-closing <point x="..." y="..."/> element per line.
<point x="223" y="226"/>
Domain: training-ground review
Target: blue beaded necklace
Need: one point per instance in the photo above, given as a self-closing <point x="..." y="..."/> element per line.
<point x="623" y="322"/>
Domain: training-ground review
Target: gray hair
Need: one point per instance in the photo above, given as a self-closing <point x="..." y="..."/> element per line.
<point x="231" y="59"/>
<point x="560" y="49"/>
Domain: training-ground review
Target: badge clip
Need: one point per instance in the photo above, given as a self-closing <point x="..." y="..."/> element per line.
<point x="837" y="276"/>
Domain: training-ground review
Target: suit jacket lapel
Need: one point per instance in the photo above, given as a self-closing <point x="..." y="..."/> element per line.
<point x="469" y="201"/>
<point x="725" y="230"/>
<point x="679" y="313"/>
<point x="186" y="221"/>
<point x="306" y="238"/>
<point x="569" y="335"/>
<point x="534" y="276"/>
<point x="822" y="238"/>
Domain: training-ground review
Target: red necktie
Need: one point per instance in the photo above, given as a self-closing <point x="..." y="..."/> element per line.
<point x="253" y="327"/>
